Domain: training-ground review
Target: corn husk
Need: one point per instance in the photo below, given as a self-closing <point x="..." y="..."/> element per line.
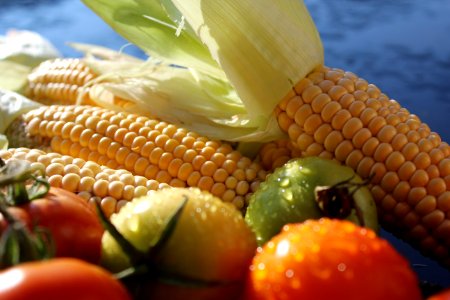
<point x="197" y="75"/>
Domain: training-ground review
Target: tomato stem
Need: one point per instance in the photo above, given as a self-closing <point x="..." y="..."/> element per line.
<point x="336" y="201"/>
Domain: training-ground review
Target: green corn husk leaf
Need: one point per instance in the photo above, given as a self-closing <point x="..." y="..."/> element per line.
<point x="158" y="89"/>
<point x="258" y="63"/>
<point x="146" y="24"/>
<point x="263" y="48"/>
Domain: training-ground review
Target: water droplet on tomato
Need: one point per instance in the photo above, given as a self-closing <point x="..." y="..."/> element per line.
<point x="289" y="273"/>
<point x="288" y="195"/>
<point x="285" y="182"/>
<point x="341" y="267"/>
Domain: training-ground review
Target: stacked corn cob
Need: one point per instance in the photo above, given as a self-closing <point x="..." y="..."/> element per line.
<point x="145" y="147"/>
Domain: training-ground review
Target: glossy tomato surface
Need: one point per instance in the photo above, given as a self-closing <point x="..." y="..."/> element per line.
<point x="330" y="259"/>
<point x="73" y="224"/>
<point x="60" y="279"/>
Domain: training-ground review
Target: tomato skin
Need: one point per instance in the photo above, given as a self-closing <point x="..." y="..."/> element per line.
<point x="330" y="259"/>
<point x="74" y="225"/>
<point x="60" y="278"/>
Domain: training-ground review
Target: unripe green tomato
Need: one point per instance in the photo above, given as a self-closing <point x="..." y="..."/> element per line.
<point x="288" y="196"/>
<point x="211" y="241"/>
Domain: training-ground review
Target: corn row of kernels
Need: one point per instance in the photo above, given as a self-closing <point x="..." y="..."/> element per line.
<point x="150" y="148"/>
<point x="60" y="81"/>
<point x="335" y="114"/>
<point x="110" y="187"/>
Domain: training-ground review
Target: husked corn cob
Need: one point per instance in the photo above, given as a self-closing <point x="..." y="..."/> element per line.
<point x="64" y="81"/>
<point x="147" y="147"/>
<point x="60" y="81"/>
<point x="335" y="114"/>
<point x="93" y="182"/>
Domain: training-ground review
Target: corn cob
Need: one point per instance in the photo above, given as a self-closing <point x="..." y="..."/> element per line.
<point x="60" y="81"/>
<point x="147" y="147"/>
<point x="64" y="81"/>
<point x="93" y="182"/>
<point x="335" y="114"/>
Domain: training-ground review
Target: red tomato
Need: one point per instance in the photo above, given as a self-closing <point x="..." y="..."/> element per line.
<point x="330" y="259"/>
<point x="73" y="224"/>
<point x="60" y="278"/>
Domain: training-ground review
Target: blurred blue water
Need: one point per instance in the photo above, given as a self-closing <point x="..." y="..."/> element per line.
<point x="61" y="22"/>
<point x="402" y="46"/>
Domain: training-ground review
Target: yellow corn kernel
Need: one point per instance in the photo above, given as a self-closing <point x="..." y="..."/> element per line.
<point x="409" y="166"/>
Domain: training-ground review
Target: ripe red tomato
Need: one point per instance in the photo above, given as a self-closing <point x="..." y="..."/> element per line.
<point x="73" y="224"/>
<point x="60" y="278"/>
<point x="330" y="259"/>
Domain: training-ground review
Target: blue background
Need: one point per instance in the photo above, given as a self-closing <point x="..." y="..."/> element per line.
<point x="402" y="46"/>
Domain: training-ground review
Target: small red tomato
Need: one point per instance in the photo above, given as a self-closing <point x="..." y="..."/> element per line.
<point x="60" y="278"/>
<point x="330" y="259"/>
<point x="72" y="223"/>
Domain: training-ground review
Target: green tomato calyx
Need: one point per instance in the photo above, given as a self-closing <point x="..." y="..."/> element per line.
<point x="144" y="267"/>
<point x="19" y="184"/>
<point x="18" y="244"/>
<point x="141" y="262"/>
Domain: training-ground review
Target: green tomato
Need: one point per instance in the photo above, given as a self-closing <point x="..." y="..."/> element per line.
<point x="289" y="195"/>
<point x="210" y="241"/>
